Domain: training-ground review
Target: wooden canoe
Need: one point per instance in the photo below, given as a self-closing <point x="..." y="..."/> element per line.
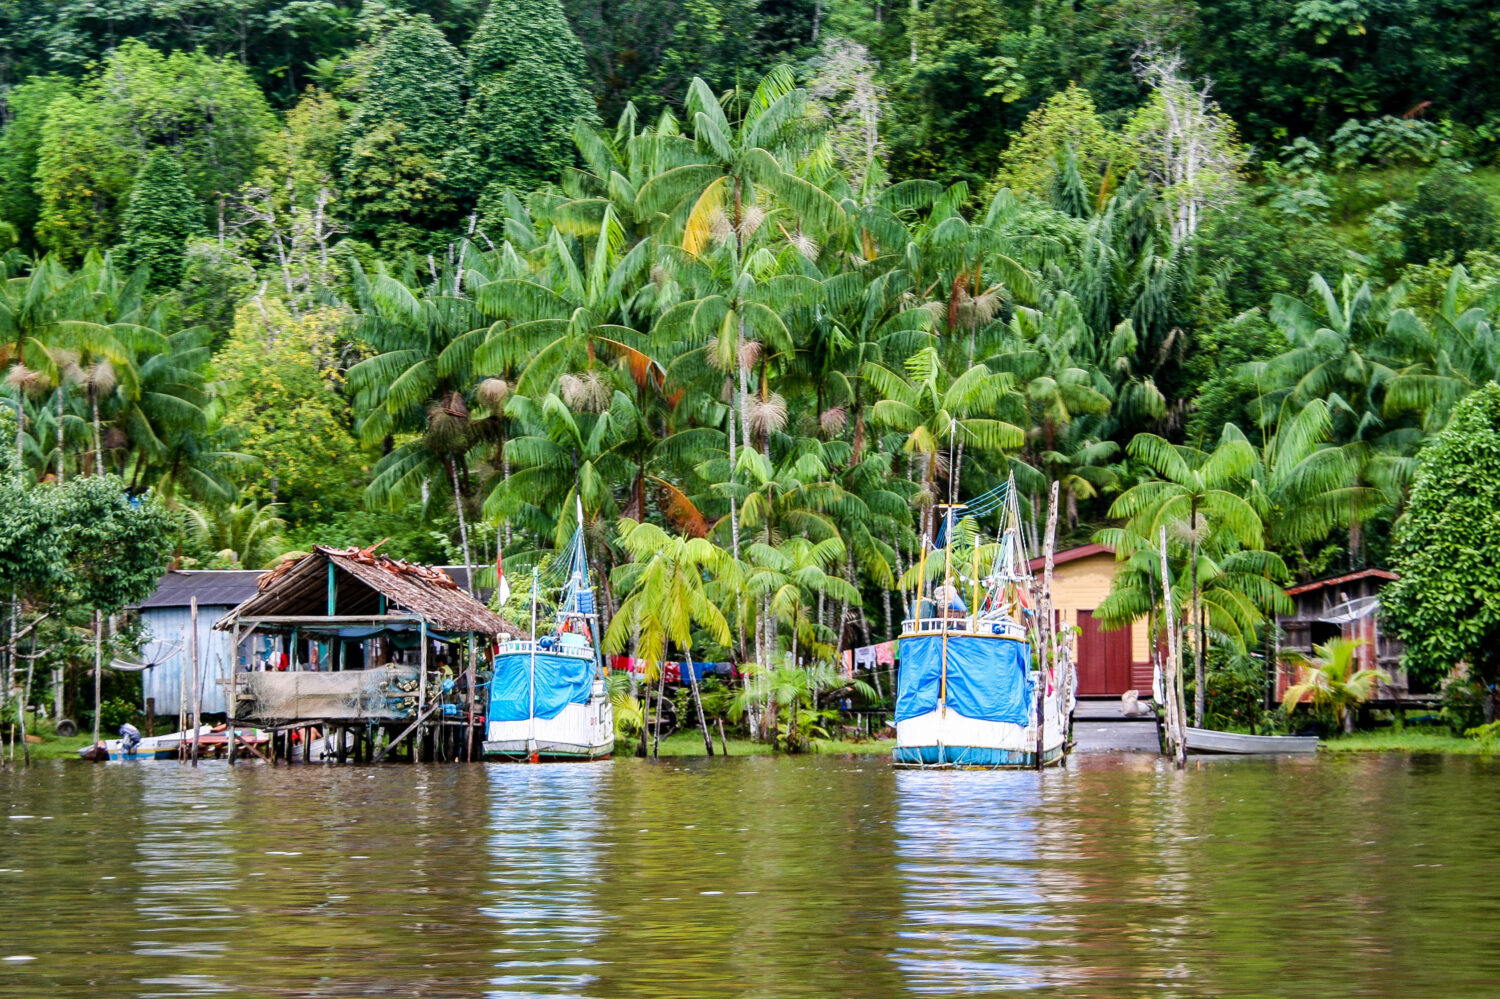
<point x="1202" y="740"/>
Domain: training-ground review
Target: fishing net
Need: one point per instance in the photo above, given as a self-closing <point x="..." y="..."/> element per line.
<point x="380" y="693"/>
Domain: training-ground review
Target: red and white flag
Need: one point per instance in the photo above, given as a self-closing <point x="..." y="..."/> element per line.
<point x="502" y="585"/>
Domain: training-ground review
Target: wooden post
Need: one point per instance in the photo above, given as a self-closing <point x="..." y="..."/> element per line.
<point x="708" y="742"/>
<point x="1049" y="652"/>
<point x="98" y="669"/>
<point x="197" y="683"/>
<point x="421" y="691"/>
<point x="1171" y="682"/>
<point x="150" y="716"/>
<point x="182" y="708"/>
<point x="469" y="727"/>
<point x="307" y="731"/>
<point x="232" y="703"/>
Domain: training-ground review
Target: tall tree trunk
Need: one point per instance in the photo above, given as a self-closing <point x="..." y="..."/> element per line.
<point x="708" y="742"/>
<point x="1199" y="669"/>
<point x="734" y="504"/>
<point x="10" y="654"/>
<point x="661" y="700"/>
<point x="98" y="437"/>
<point x="463" y="526"/>
<point x="60" y="445"/>
<point x="98" y="669"/>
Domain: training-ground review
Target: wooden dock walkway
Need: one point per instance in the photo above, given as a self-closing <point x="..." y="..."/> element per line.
<point x="1099" y="727"/>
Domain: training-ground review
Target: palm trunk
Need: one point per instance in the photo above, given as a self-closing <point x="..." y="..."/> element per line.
<point x="98" y="438"/>
<point x="98" y="669"/>
<point x="708" y="742"/>
<point x="59" y="433"/>
<point x="1199" y="681"/>
<point x="463" y="526"/>
<point x="661" y="700"/>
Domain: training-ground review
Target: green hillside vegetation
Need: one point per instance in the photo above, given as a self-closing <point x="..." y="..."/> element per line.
<point x="776" y="276"/>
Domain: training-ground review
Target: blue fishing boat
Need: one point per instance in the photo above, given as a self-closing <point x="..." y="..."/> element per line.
<point x="548" y="699"/>
<point x="967" y="695"/>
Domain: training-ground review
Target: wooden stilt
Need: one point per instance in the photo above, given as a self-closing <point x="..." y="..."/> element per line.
<point x="1049" y="643"/>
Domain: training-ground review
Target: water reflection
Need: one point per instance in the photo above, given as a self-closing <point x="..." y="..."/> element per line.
<point x="750" y="878"/>
<point x="544" y="856"/>
<point x="973" y="907"/>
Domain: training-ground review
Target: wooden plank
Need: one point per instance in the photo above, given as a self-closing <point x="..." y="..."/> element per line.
<point x="406" y="732"/>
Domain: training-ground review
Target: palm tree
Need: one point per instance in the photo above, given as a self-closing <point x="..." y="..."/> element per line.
<point x="1458" y="354"/>
<point x="1336" y="351"/>
<point x="666" y="597"/>
<point x="420" y="380"/>
<point x="796" y="689"/>
<point x="247" y="534"/>
<point x="555" y="323"/>
<point x="1194" y="496"/>
<point x="563" y="453"/>
<point x="720" y="186"/>
<point x="935" y="408"/>
<point x="1333" y="680"/>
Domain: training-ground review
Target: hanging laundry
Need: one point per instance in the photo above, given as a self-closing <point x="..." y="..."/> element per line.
<point x="846" y="663"/>
<point x="885" y="654"/>
<point x="864" y="657"/>
<point x="700" y="670"/>
<point x="672" y="672"/>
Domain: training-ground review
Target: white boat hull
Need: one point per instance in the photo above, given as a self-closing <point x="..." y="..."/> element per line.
<point x="579" y="732"/>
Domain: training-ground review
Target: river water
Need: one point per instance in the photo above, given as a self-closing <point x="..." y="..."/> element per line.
<point x="814" y="876"/>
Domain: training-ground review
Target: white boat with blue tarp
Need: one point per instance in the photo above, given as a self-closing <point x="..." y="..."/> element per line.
<point x="967" y="692"/>
<point x="547" y="698"/>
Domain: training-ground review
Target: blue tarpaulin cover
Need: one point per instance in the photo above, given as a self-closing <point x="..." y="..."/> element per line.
<point x="987" y="678"/>
<point x="560" y="681"/>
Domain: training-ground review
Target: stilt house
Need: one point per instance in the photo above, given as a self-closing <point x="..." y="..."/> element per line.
<point x="365" y="647"/>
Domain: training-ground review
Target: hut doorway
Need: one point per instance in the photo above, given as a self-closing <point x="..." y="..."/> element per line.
<point x="1103" y="658"/>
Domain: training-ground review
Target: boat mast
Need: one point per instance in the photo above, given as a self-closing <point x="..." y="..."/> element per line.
<point x="595" y="639"/>
<point x="947" y="574"/>
<point x="531" y="706"/>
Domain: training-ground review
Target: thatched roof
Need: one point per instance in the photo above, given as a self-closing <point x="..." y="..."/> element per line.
<point x="361" y="578"/>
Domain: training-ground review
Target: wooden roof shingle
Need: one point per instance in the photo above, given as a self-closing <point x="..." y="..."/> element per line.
<point x="300" y="588"/>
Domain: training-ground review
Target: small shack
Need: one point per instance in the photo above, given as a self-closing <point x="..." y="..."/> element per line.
<point x="1346" y="606"/>
<point x="365" y="653"/>
<point x="166" y="646"/>
<point x="1109" y="662"/>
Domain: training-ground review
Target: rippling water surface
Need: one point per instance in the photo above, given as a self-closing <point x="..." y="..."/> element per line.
<point x="820" y="876"/>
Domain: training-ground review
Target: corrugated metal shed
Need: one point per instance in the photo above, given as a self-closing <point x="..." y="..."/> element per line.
<point x="167" y="647"/>
<point x="165" y="617"/>
<point x="217" y="587"/>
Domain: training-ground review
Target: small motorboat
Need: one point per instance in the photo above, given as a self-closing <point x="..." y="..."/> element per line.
<point x="1203" y="740"/>
<point x="212" y="741"/>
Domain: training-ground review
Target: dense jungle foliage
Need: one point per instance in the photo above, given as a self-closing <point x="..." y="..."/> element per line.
<point x="775" y="274"/>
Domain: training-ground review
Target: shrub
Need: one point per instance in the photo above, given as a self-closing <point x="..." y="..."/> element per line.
<point x="1449" y="216"/>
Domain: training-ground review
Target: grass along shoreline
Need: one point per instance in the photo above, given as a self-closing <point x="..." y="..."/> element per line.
<point x="1409" y="741"/>
<point x="689" y="742"/>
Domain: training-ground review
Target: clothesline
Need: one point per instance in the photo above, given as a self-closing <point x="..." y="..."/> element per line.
<point x="870" y="657"/>
<point x="673" y="671"/>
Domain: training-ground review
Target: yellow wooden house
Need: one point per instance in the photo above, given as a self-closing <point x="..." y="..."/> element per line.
<point x="1109" y="662"/>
